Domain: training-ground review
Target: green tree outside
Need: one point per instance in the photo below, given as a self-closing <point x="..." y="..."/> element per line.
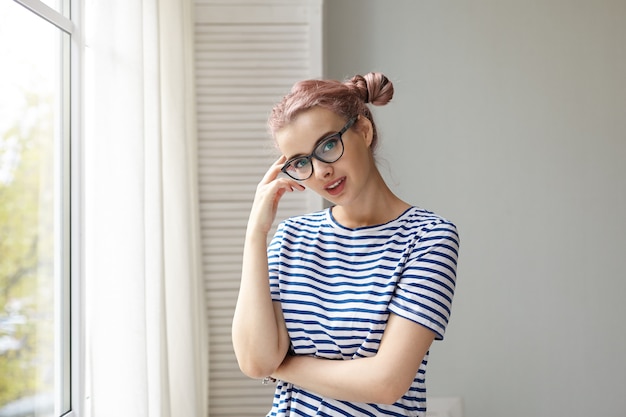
<point x="26" y="253"/>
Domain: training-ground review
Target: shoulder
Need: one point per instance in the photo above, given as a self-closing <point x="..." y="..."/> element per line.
<point x="425" y="221"/>
<point x="431" y="230"/>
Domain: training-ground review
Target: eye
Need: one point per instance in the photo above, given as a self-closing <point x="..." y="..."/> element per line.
<point x="300" y="163"/>
<point x="329" y="144"/>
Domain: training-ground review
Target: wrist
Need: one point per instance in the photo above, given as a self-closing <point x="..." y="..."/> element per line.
<point x="256" y="234"/>
<point x="282" y="372"/>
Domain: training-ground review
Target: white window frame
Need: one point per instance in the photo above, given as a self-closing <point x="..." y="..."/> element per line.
<point x="73" y="350"/>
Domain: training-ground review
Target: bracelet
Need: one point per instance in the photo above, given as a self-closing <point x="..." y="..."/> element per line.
<point x="267" y="380"/>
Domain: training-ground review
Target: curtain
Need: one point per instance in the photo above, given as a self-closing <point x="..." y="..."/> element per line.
<point x="144" y="321"/>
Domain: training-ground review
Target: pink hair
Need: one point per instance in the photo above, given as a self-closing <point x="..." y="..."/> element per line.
<point x="347" y="99"/>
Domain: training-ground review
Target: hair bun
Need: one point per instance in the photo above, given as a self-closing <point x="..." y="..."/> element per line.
<point x="374" y="88"/>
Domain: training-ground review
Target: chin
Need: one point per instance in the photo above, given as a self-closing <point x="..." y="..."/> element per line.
<point x="339" y="200"/>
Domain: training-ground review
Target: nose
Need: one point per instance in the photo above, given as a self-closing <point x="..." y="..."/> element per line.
<point x="321" y="169"/>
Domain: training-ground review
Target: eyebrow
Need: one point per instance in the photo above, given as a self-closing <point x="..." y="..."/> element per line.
<point x="317" y="142"/>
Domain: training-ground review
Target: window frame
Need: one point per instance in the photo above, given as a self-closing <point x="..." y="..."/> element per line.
<point x="72" y="310"/>
<point x="77" y="313"/>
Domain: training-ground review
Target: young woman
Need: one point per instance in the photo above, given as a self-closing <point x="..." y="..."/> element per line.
<point x="342" y="307"/>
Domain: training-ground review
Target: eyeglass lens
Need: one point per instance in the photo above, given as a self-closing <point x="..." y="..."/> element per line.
<point x="329" y="150"/>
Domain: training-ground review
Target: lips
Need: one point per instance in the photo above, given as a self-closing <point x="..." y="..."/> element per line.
<point x="336" y="186"/>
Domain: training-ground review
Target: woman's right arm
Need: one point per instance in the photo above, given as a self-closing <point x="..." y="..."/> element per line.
<point x="259" y="334"/>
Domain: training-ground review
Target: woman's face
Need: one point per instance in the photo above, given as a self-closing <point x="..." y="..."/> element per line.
<point x="342" y="181"/>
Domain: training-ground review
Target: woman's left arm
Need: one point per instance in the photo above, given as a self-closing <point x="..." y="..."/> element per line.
<point x="380" y="379"/>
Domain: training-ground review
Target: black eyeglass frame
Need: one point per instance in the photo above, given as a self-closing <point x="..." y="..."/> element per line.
<point x="314" y="155"/>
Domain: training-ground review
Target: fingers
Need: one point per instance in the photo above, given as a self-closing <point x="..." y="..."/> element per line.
<point x="268" y="195"/>
<point x="283" y="185"/>
<point x="273" y="172"/>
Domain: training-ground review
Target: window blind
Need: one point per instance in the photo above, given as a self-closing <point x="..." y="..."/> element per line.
<point x="248" y="54"/>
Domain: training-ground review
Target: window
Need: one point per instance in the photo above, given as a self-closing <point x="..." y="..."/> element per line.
<point x="35" y="262"/>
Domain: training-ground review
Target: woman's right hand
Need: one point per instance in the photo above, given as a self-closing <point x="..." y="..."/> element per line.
<point x="260" y="337"/>
<point x="268" y="194"/>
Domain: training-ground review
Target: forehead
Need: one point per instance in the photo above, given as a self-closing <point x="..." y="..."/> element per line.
<point x="300" y="136"/>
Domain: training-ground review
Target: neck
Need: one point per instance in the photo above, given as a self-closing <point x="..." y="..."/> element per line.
<point x="378" y="205"/>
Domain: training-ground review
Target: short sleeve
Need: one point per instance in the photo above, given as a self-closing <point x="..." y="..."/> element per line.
<point x="425" y="290"/>
<point x="273" y="260"/>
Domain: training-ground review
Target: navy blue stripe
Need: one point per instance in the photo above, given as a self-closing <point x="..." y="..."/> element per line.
<point x="422" y="315"/>
<point x="335" y="293"/>
<point x="373" y="263"/>
<point x="434" y="290"/>
<point x="431" y="272"/>
<point x="328" y="309"/>
<point x="422" y="306"/>
<point x="354" y="333"/>
<point x="319" y="242"/>
<point x="334" y="328"/>
<point x="336" y="301"/>
<point x="365" y="282"/>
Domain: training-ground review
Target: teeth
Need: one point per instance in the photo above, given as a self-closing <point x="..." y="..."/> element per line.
<point x="331" y="186"/>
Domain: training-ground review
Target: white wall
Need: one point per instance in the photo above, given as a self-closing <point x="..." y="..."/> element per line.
<point x="510" y="119"/>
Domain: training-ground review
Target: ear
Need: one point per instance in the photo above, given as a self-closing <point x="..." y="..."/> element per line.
<point x="366" y="130"/>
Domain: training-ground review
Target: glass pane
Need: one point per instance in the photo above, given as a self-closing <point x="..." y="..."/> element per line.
<point x="34" y="323"/>
<point x="54" y="4"/>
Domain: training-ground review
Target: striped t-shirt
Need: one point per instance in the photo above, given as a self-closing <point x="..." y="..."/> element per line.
<point x="337" y="287"/>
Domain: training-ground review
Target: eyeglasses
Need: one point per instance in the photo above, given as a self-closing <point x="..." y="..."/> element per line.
<point x="328" y="150"/>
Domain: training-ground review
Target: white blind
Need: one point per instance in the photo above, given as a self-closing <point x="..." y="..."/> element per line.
<point x="248" y="54"/>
